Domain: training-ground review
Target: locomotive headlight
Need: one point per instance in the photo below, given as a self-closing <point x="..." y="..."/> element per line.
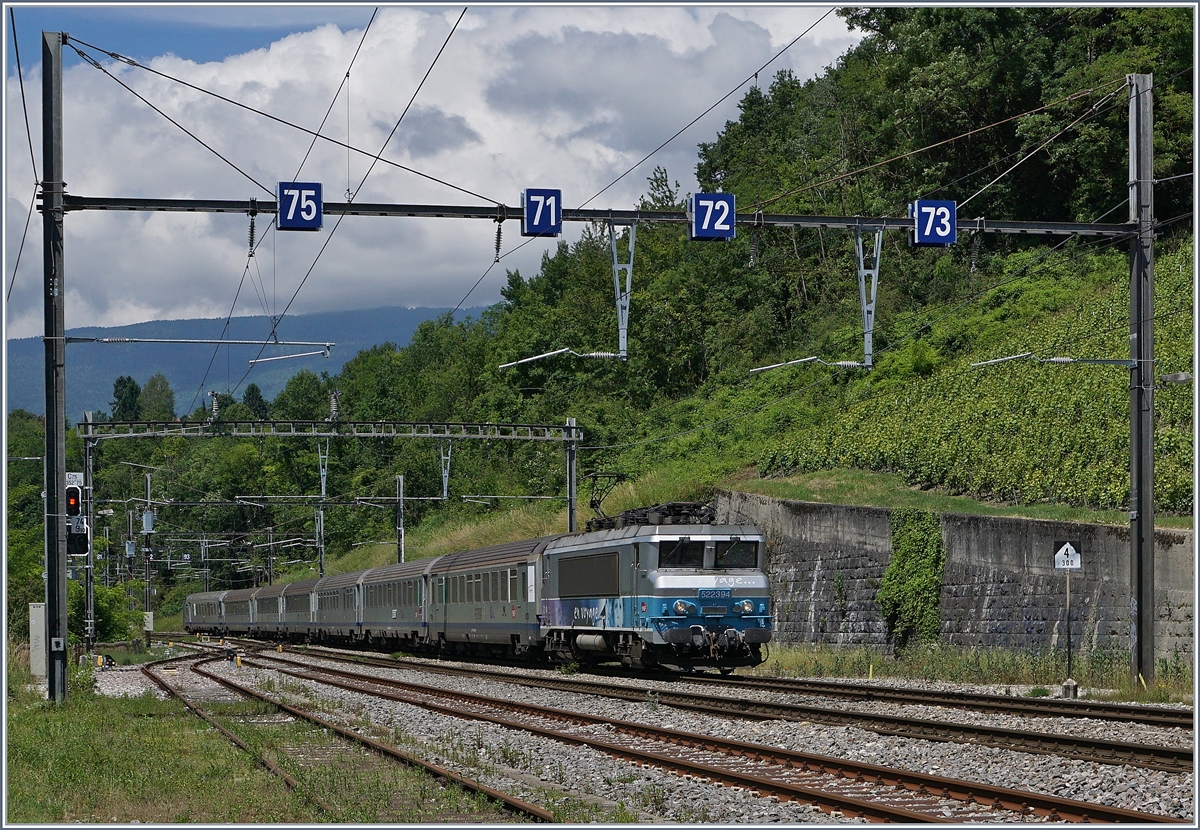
<point x="747" y="606"/>
<point x="681" y="608"/>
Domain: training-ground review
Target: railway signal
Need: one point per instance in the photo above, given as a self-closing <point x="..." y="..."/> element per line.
<point x="74" y="500"/>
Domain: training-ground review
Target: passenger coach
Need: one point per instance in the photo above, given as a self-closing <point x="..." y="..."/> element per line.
<point x="681" y="596"/>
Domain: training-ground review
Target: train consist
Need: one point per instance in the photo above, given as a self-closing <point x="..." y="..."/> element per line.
<point x="678" y="596"/>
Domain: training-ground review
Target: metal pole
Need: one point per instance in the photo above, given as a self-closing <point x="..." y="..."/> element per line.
<point x="868" y="305"/>
<point x="323" y="460"/>
<point x="1070" y="674"/>
<point x="571" y="488"/>
<point x="270" y="556"/>
<point x="1141" y="379"/>
<point x="89" y="581"/>
<point x="444" y="451"/>
<point x="400" y="519"/>
<point x="148" y="553"/>
<point x="56" y="370"/>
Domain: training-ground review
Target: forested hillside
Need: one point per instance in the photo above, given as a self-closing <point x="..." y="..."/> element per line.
<point x="1015" y="113"/>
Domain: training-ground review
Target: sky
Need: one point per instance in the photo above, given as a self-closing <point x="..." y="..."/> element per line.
<point x="565" y="97"/>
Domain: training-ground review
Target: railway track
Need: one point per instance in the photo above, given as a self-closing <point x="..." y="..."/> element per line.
<point x="848" y="690"/>
<point x="1166" y="758"/>
<point x="511" y="804"/>
<point x="1001" y="704"/>
<point x="834" y="785"/>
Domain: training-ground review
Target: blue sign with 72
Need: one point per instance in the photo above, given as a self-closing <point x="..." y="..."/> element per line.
<point x="300" y="206"/>
<point x="541" y="212"/>
<point x="713" y="216"/>
<point x="936" y="222"/>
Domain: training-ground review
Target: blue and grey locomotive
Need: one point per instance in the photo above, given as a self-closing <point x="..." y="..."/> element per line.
<point x="680" y="596"/>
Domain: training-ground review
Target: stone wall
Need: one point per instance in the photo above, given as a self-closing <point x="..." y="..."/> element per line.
<point x="999" y="587"/>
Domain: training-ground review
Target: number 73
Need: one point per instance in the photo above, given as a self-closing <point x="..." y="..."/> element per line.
<point x="939" y="213"/>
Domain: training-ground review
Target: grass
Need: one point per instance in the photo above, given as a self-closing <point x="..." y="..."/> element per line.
<point x="860" y="487"/>
<point x="97" y="759"/>
<point x="358" y="785"/>
<point x="695" y="480"/>
<point x="136" y="658"/>
<point x="1103" y="673"/>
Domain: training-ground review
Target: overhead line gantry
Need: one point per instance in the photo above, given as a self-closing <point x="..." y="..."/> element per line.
<point x="501" y="213"/>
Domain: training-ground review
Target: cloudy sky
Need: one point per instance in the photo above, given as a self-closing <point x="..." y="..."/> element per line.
<point x="566" y="97"/>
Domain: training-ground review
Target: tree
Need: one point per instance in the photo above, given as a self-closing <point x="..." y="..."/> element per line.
<point x="302" y="399"/>
<point x="255" y="402"/>
<point x="156" y="401"/>
<point x="125" y="404"/>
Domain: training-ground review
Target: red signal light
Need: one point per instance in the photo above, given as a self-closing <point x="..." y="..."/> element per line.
<point x="73" y="501"/>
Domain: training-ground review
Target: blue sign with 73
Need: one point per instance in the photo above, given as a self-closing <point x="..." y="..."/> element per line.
<point x="936" y="222"/>
<point x="300" y="206"/>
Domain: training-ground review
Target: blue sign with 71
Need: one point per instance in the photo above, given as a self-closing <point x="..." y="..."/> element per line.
<point x="541" y="212"/>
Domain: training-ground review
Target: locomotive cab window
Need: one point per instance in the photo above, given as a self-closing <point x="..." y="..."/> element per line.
<point x="682" y="553"/>
<point x="737" y="554"/>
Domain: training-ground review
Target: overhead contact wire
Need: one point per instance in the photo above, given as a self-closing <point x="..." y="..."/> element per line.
<point x="21" y="249"/>
<point x="713" y="107"/>
<point x="760" y="204"/>
<point x="345" y="78"/>
<point x="216" y="349"/>
<point x="283" y="121"/>
<point x="89" y="59"/>
<point x="21" y="81"/>
<point x="1019" y="275"/>
<point x="338" y="224"/>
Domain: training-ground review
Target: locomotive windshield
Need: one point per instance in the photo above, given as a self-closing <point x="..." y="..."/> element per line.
<point x="686" y="553"/>
<point x="681" y="554"/>
<point x="738" y="554"/>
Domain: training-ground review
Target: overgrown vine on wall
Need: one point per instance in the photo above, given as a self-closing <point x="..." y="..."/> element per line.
<point x="909" y="593"/>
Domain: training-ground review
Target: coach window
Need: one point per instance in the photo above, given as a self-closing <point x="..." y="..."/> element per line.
<point x="487" y="588"/>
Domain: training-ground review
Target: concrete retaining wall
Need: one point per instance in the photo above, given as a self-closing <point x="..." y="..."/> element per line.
<point x="999" y="587"/>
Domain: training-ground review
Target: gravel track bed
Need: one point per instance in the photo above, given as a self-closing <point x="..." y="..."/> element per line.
<point x="527" y="765"/>
<point x="1132" y="788"/>
<point x="524" y="763"/>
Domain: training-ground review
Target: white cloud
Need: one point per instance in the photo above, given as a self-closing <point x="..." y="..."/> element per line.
<point x="565" y="97"/>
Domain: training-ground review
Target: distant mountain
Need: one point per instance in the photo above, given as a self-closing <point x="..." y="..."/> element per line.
<point x="92" y="367"/>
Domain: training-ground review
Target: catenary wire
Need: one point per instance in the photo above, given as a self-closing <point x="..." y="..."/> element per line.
<point x="17" y="264"/>
<point x="228" y="318"/>
<point x="1054" y="23"/>
<point x="757" y="206"/>
<point x="286" y="123"/>
<point x="710" y="109"/>
<point x="90" y="60"/>
<point x="21" y="80"/>
<point x="1020" y="274"/>
<point x="1092" y="113"/>
<point x="312" y="144"/>
<point x="338" y="224"/>
<point x="333" y="101"/>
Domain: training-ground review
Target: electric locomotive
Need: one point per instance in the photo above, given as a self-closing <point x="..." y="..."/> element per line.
<point x="654" y="587"/>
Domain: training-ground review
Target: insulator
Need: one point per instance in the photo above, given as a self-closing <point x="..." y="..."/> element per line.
<point x="499" y="230"/>
<point x="753" y="247"/>
<point x="333" y="406"/>
<point x="216" y="404"/>
<point x="252" y="234"/>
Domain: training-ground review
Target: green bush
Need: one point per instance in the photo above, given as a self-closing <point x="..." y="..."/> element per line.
<point x="911" y="587"/>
